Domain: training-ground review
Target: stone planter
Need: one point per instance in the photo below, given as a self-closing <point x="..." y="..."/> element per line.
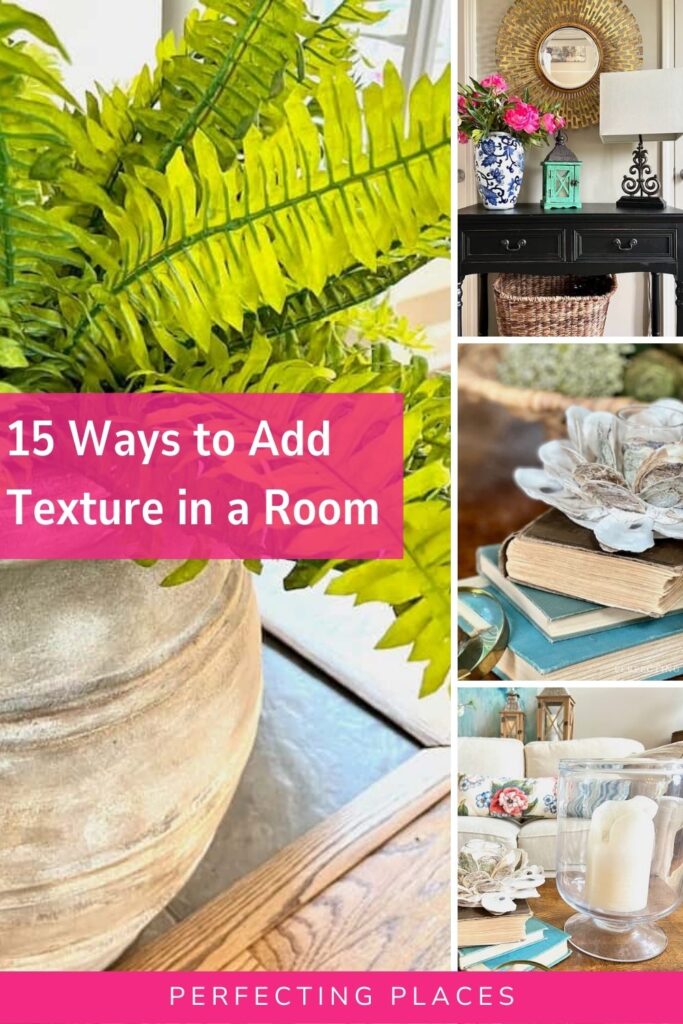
<point x="499" y="169"/>
<point x="127" y="713"/>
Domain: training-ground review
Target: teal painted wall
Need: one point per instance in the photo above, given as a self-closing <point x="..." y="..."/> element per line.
<point x="483" y="718"/>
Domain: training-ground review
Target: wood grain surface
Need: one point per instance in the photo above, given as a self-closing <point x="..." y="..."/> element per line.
<point x="552" y="908"/>
<point x="227" y="931"/>
<point x="390" y="913"/>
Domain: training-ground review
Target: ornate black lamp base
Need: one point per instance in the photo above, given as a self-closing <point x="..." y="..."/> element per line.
<point x="641" y="203"/>
<point x="640" y="186"/>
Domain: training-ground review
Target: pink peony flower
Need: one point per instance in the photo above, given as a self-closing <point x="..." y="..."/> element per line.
<point x="552" y="123"/>
<point x="462" y="105"/>
<point x="511" y="802"/>
<point x="495" y="82"/>
<point x="463" y="138"/>
<point x="523" y="117"/>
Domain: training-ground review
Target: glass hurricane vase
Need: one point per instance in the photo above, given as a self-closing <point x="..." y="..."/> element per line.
<point x="620" y="853"/>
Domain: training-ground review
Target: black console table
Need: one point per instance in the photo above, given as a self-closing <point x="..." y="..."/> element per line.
<point x="599" y="239"/>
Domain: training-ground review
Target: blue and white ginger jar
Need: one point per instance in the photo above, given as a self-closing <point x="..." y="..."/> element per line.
<point x="499" y="167"/>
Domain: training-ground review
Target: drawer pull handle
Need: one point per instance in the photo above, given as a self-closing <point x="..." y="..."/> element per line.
<point x="626" y="248"/>
<point x="507" y="244"/>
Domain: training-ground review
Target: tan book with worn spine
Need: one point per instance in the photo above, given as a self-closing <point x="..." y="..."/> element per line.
<point x="476" y="927"/>
<point x="553" y="553"/>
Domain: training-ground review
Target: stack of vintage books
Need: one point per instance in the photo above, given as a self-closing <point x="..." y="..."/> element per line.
<point x="578" y="612"/>
<point x="489" y="943"/>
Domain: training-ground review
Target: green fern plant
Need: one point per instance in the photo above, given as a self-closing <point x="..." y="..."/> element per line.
<point x="227" y="223"/>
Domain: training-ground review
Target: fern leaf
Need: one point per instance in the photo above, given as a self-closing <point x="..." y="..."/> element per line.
<point x="235" y="53"/>
<point x="332" y="42"/>
<point x="34" y="245"/>
<point x="353" y="287"/>
<point x="421" y="579"/>
<point x="296" y="213"/>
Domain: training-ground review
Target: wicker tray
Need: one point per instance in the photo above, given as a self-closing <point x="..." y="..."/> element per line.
<point x="478" y="379"/>
<point x="534" y="306"/>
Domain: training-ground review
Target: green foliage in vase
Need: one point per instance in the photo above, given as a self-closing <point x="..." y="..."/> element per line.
<point x="227" y="224"/>
<point x="585" y="371"/>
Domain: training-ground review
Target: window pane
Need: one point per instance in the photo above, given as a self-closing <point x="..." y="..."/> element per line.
<point x="377" y="52"/>
<point x="443" y="42"/>
<point x="380" y="42"/>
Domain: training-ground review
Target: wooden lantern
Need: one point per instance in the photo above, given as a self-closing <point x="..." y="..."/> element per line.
<point x="555" y="714"/>
<point x="512" y="718"/>
<point x="561" y="177"/>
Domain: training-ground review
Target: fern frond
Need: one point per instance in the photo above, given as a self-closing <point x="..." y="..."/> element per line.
<point x="236" y="53"/>
<point x="420" y="581"/>
<point x="350" y="289"/>
<point x="202" y="249"/>
<point x="332" y="42"/>
<point x="34" y="246"/>
<point x="418" y="585"/>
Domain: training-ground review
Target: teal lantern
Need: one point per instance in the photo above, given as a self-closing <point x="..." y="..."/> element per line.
<point x="561" y="177"/>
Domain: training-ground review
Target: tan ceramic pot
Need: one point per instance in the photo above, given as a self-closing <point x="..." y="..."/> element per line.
<point x="127" y="713"/>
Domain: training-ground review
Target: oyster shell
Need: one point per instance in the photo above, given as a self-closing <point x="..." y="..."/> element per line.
<point x="492" y="876"/>
<point x="627" y="495"/>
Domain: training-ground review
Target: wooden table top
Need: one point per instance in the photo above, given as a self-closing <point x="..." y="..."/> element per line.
<point x="492" y="444"/>
<point x="551" y="907"/>
<point x="366" y="890"/>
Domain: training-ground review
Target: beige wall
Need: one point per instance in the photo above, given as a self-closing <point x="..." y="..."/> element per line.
<point x="649" y="714"/>
<point x="604" y="166"/>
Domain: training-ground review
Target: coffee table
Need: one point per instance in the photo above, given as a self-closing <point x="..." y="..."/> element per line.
<point x="550" y="907"/>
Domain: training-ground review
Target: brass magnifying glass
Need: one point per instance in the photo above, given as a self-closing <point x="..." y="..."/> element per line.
<point x="481" y="650"/>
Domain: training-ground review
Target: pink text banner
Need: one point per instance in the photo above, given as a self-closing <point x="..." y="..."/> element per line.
<point x="340" y="998"/>
<point x="185" y="476"/>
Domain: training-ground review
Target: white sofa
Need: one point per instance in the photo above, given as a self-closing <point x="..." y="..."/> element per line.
<point x="500" y="758"/>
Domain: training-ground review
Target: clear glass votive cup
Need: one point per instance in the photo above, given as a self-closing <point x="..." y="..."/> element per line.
<point x="620" y="853"/>
<point x="642" y="430"/>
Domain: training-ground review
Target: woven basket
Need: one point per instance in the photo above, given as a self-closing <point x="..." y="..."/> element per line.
<point x="531" y="306"/>
<point x="478" y="379"/>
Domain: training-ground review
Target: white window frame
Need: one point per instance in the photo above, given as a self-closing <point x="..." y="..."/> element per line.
<point x="421" y="39"/>
<point x="419" y="42"/>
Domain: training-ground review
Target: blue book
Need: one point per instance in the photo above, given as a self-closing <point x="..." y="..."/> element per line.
<point x="558" y="617"/>
<point x="646" y="649"/>
<point x="550" y="950"/>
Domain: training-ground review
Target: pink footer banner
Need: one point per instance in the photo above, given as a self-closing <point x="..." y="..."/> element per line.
<point x="201" y="476"/>
<point x="325" y="998"/>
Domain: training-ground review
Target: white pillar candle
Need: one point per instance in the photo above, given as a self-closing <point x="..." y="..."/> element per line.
<point x="621" y="843"/>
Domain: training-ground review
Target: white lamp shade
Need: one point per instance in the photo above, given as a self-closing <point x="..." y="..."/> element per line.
<point x="647" y="103"/>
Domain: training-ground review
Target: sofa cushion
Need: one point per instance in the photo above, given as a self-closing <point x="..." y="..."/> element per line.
<point x="522" y="799"/>
<point x="492" y="829"/>
<point x="543" y="757"/>
<point x="539" y="840"/>
<point x="500" y="758"/>
<point x="474" y="795"/>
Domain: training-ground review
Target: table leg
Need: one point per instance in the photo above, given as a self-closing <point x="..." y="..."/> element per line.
<point x="679" y="307"/>
<point x="460" y="284"/>
<point x="483" y="305"/>
<point x="656" y="305"/>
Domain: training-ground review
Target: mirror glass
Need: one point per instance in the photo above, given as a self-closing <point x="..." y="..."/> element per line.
<point x="569" y="57"/>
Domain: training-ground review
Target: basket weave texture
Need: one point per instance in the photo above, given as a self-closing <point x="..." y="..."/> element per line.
<point x="535" y="306"/>
<point x="478" y="379"/>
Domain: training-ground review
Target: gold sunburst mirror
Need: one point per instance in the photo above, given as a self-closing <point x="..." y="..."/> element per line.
<point x="557" y="49"/>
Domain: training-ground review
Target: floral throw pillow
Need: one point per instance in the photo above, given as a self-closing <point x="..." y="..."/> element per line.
<point x="523" y="798"/>
<point x="474" y="795"/>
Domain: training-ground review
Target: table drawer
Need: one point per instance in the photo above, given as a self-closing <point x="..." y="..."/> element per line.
<point x="629" y="242"/>
<point x="514" y="245"/>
